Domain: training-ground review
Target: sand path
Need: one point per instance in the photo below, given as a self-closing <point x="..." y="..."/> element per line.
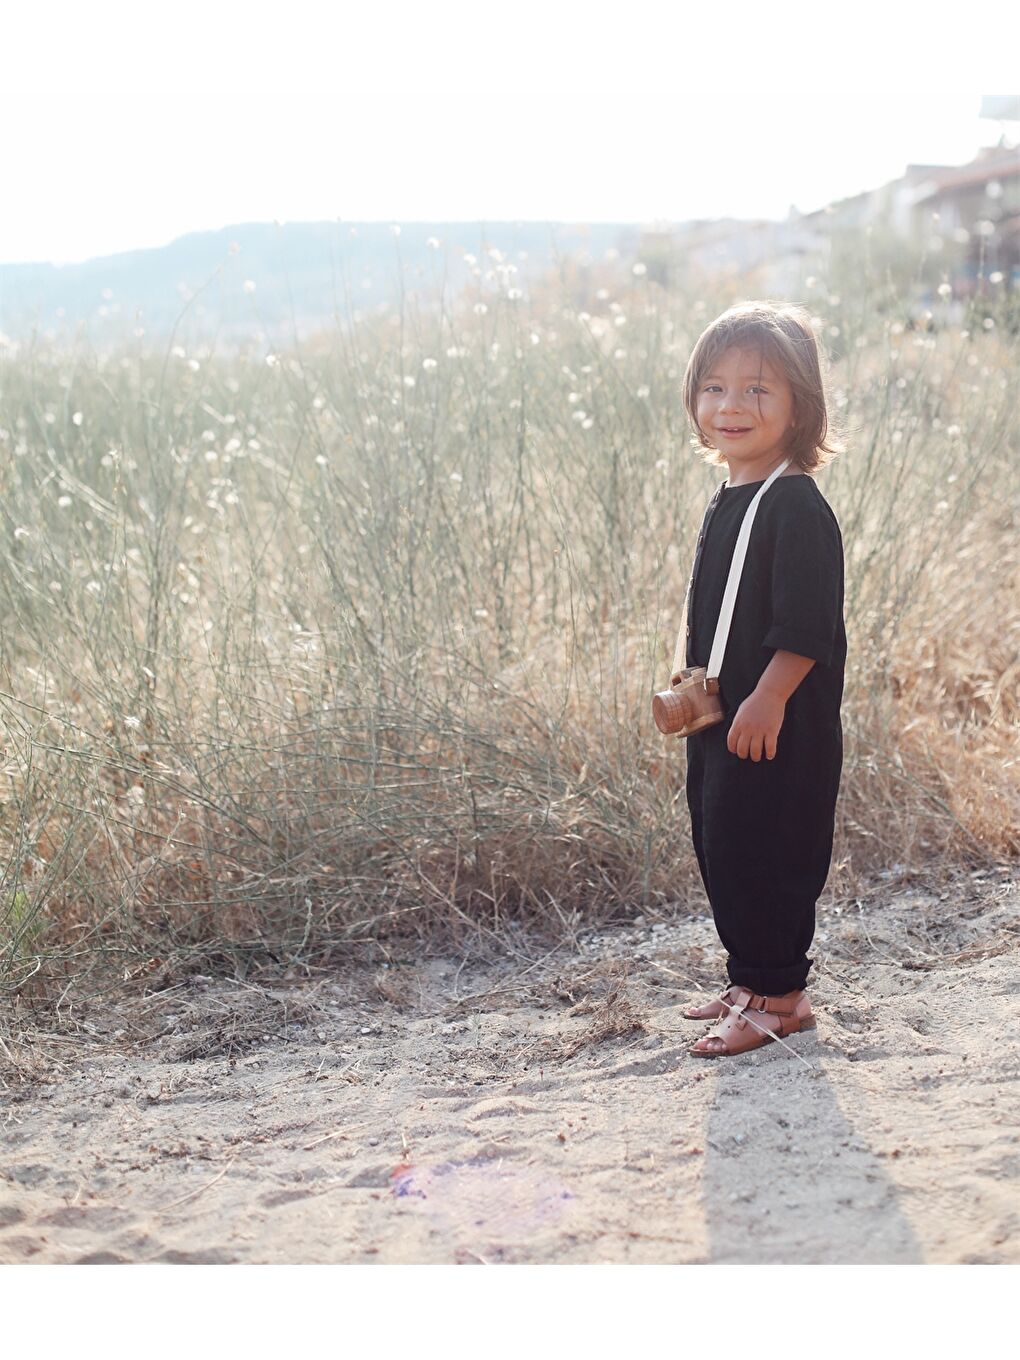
<point x="421" y="1114"/>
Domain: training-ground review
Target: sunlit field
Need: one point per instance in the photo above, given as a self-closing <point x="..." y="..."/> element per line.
<point x="359" y="639"/>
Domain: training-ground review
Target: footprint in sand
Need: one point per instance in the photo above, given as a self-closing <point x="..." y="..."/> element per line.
<point x="664" y="1061"/>
<point x="211" y="1257"/>
<point x="277" y="1197"/>
<point x="102" y="1218"/>
<point x="489" y="1109"/>
<point x="14" y="1249"/>
<point x="370" y="1178"/>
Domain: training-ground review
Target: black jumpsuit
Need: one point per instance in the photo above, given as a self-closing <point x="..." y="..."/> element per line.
<point x="763" y="830"/>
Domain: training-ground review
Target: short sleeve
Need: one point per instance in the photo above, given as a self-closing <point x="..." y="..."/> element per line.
<point x="807" y="580"/>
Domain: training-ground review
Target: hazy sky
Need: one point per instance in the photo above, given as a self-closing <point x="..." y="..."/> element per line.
<point x="123" y="131"/>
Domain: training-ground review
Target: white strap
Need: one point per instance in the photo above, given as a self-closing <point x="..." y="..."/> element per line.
<point x="722" y="629"/>
<point x="680" y="651"/>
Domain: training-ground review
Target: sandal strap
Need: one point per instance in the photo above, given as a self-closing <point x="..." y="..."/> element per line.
<point x="775" y="1005"/>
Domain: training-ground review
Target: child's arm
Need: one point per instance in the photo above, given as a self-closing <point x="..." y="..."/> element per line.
<point x="757" y="721"/>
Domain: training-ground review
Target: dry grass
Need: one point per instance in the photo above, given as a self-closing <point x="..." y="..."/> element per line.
<point x="612" y="1012"/>
<point x="353" y="648"/>
<point x="230" y="1025"/>
<point x="607" y="988"/>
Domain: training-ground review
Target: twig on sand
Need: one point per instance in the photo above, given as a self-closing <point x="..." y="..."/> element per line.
<point x="516" y="986"/>
<point x="337" y="1133"/>
<point x="466" y="1251"/>
<point x="492" y="991"/>
<point x="324" y="1138"/>
<point x="162" y="1208"/>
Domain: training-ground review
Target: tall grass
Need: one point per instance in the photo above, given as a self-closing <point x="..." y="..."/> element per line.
<point x="360" y="640"/>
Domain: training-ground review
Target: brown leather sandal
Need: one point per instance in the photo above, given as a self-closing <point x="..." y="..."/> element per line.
<point x="747" y="1023"/>
<point x="713" y="1009"/>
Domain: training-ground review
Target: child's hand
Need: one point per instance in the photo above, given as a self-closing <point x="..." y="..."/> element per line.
<point x="756" y="726"/>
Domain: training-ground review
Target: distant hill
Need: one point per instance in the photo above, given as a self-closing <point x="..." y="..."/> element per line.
<point x="305" y="274"/>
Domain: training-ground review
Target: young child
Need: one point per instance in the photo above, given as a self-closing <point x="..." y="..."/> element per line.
<point x="762" y="784"/>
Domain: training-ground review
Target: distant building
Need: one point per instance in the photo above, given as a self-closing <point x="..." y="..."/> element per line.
<point x="973" y="208"/>
<point x="978" y="205"/>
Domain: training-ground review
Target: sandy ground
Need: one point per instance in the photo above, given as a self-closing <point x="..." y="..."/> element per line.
<point x="540" y="1108"/>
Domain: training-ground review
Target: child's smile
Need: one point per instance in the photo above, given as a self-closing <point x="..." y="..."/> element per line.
<point x="746" y="409"/>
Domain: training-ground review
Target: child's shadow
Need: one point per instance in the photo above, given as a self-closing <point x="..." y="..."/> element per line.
<point x="787" y="1179"/>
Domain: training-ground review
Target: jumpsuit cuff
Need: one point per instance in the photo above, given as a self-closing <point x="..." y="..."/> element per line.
<point x="770" y="981"/>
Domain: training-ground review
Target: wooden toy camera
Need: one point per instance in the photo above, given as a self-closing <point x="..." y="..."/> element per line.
<point x="691" y="703"/>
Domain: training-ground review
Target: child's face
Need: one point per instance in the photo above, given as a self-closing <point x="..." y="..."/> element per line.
<point x="732" y="395"/>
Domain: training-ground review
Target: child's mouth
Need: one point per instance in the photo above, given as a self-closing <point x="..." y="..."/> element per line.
<point x="734" y="434"/>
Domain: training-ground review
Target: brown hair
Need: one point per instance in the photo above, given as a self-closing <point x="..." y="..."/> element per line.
<point x="783" y="335"/>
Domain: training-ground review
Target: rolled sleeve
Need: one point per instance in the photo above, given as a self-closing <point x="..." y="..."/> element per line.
<point x="807" y="583"/>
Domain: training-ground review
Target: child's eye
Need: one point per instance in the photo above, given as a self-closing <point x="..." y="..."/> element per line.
<point x="713" y="387"/>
